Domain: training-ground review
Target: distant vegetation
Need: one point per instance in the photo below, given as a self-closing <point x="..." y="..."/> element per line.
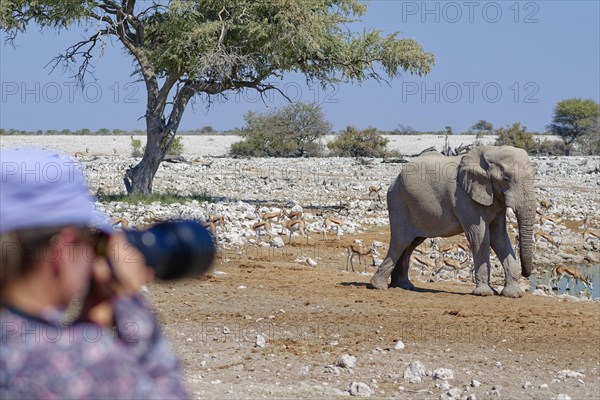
<point x="576" y="121"/>
<point x="207" y="130"/>
<point x="296" y="130"/>
<point x="163" y="198"/>
<point x="517" y="136"/>
<point x="359" y="143"/>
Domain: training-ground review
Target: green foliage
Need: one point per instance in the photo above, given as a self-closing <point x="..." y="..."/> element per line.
<point x="292" y="131"/>
<point x="136" y="147"/>
<point x="207" y="39"/>
<point x="517" y="136"/>
<point x="176" y="148"/>
<point x="403" y="130"/>
<point x="549" y="148"/>
<point x="589" y="144"/>
<point x="163" y="198"/>
<point x="359" y="143"/>
<point x="575" y="118"/>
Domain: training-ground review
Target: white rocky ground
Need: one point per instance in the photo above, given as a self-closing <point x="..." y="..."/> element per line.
<point x="319" y="186"/>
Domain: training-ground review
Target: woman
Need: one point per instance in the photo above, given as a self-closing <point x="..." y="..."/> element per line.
<point x="54" y="246"/>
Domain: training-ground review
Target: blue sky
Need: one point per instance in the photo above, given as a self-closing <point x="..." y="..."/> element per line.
<point x="502" y="61"/>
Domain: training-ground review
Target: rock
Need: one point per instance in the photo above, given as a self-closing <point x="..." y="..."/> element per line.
<point x="346" y="361"/>
<point x="303" y="370"/>
<point x="527" y="385"/>
<point x="562" y="396"/>
<point x="399" y="345"/>
<point x="332" y="369"/>
<point x="443" y="385"/>
<point x="261" y="340"/>
<point x="359" y="389"/>
<point x="451" y="394"/>
<point x="414" y="372"/>
<point x="311" y="262"/>
<point x="544" y="386"/>
<point x="496" y="390"/>
<point x="443" y="374"/>
<point x="475" y="383"/>
<point x="276" y="242"/>
<point x="565" y="373"/>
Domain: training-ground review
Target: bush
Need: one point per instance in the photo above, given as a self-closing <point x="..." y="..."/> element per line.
<point x="176" y="148"/>
<point x="517" y="136"/>
<point x="550" y="148"/>
<point x="136" y="147"/>
<point x="293" y="131"/>
<point x="589" y="144"/>
<point x="359" y="143"/>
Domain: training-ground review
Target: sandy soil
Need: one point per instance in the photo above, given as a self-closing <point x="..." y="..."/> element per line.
<point x="309" y="316"/>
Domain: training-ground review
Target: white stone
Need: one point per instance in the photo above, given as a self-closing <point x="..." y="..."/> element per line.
<point x="277" y="242"/>
<point x="311" y="262"/>
<point x="414" y="372"/>
<point x="332" y="369"/>
<point x="443" y="374"/>
<point x="346" y="361"/>
<point x="565" y="373"/>
<point x="359" y="389"/>
<point x="261" y="340"/>
<point x="451" y="394"/>
<point x="399" y="345"/>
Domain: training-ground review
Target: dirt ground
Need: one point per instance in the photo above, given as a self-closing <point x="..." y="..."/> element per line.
<point x="309" y="316"/>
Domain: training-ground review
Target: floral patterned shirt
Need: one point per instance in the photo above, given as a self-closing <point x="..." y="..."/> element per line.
<point x="48" y="360"/>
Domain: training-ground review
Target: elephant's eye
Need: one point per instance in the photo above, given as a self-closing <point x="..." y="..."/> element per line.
<point x="505" y="178"/>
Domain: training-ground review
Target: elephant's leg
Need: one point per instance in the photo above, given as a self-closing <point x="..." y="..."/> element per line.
<point x="501" y="245"/>
<point x="479" y="239"/>
<point x="400" y="276"/>
<point x="379" y="280"/>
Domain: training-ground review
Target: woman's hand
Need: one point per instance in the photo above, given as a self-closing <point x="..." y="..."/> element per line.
<point x="122" y="272"/>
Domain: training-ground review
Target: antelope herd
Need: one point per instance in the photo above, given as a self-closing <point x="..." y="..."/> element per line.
<point x="429" y="260"/>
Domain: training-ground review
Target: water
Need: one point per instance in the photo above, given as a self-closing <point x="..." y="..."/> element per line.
<point x="591" y="271"/>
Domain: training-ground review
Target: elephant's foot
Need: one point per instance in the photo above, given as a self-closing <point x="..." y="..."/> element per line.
<point x="378" y="282"/>
<point x="403" y="284"/>
<point x="512" y="291"/>
<point x="483" y="290"/>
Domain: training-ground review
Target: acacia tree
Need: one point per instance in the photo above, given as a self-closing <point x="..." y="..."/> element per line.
<point x="184" y="48"/>
<point x="573" y="119"/>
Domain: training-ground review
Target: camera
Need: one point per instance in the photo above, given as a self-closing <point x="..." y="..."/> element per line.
<point x="175" y="249"/>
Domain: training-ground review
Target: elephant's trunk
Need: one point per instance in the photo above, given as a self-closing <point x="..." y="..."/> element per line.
<point x="525" y="219"/>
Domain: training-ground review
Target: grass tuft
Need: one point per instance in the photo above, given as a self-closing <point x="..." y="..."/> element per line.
<point x="162" y="198"/>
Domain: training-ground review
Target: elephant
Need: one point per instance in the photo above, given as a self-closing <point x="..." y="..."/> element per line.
<point x="439" y="196"/>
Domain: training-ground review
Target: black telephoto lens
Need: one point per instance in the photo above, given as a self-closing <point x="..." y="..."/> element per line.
<point x="175" y="249"/>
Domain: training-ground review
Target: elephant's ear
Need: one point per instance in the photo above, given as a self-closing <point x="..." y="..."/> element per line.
<point x="474" y="178"/>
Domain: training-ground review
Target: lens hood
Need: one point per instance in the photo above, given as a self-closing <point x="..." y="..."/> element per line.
<point x="175" y="249"/>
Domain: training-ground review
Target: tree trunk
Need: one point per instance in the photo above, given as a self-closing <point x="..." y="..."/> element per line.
<point x="139" y="178"/>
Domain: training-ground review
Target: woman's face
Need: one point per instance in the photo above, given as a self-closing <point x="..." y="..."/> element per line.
<point x="77" y="256"/>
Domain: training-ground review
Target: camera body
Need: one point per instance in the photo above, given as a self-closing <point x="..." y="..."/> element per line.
<point x="175" y="249"/>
